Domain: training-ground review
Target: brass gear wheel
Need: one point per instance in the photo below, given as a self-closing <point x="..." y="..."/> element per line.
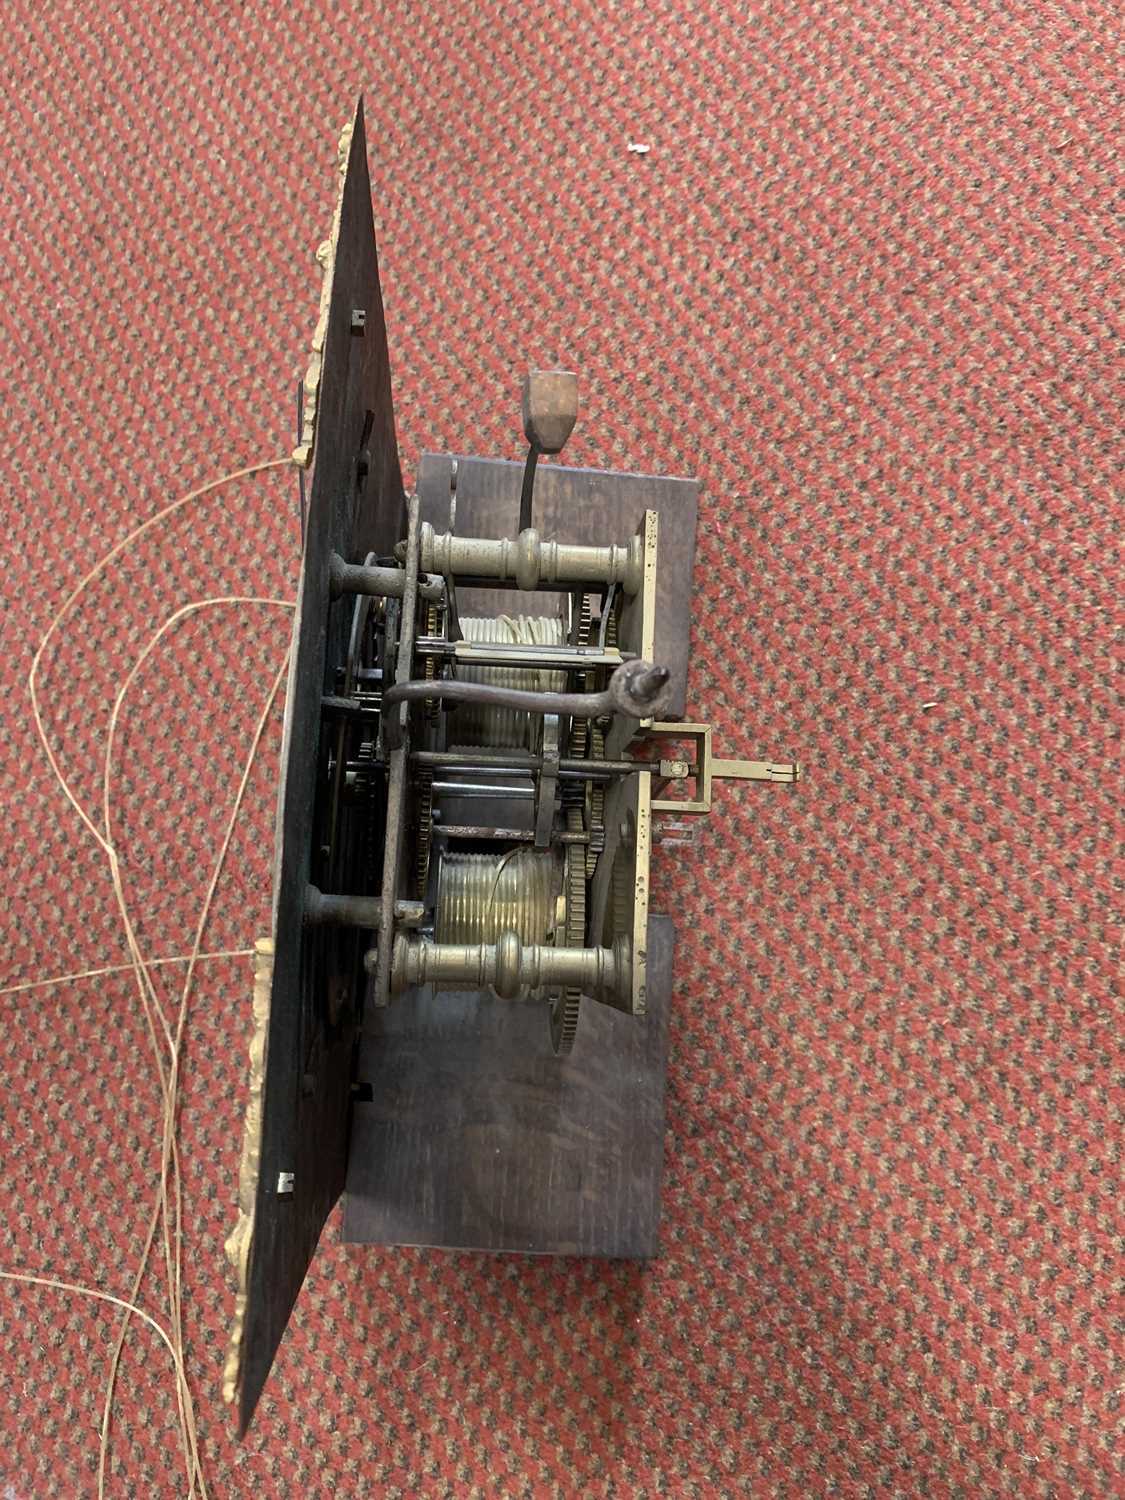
<point x="423" y="840"/>
<point x="596" y="810"/>
<point x="595" y="804"/>
<point x="566" y="1006"/>
<point x="430" y="665"/>
<point x="579" y="727"/>
<point x="423" y="833"/>
<point x="581" y="807"/>
<point x="587" y="738"/>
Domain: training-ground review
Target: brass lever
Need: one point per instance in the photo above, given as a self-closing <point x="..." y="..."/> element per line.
<point x="757" y="770"/>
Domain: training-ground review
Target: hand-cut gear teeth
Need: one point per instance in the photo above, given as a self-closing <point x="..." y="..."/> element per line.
<point x="596" y="809"/>
<point x="430" y="667"/>
<point x="424" y="833"/>
<point x="565" y="1009"/>
<point x="423" y="839"/>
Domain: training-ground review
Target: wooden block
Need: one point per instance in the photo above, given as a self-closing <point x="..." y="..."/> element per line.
<point x="478" y="1137"/>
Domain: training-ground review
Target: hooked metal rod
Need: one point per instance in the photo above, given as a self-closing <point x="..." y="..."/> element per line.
<point x="491" y="695"/>
<point x="635" y="690"/>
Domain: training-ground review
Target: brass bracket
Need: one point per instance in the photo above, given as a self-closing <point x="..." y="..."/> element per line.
<point x="707" y="767"/>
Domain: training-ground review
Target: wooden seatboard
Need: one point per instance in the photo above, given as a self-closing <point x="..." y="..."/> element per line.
<point x="477" y="1137"/>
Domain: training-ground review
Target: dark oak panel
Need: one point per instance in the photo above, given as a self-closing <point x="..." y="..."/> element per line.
<point x="478" y="1137"/>
<point x="355" y="507"/>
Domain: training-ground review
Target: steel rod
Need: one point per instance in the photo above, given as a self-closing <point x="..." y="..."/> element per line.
<point x="463" y="760"/>
<point x="496" y="654"/>
<point x="325" y="909"/>
<point x="482" y="789"/>
<point x="388" y="583"/>
<point x="509" y="835"/>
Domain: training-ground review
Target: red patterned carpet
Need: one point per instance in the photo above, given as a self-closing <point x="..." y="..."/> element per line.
<point x="866" y="284"/>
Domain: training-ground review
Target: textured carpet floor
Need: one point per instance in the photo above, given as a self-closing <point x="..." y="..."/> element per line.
<point x="866" y="285"/>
